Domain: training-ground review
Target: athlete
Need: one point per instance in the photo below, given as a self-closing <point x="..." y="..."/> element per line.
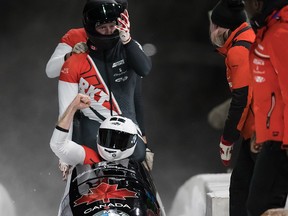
<point x="116" y="140"/>
<point x="109" y="73"/>
<point x="233" y="37"/>
<point x="73" y="42"/>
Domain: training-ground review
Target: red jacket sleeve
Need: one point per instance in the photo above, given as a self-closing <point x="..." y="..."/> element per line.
<point x="91" y="156"/>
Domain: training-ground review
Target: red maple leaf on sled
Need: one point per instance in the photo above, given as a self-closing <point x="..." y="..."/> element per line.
<point x="105" y="192"/>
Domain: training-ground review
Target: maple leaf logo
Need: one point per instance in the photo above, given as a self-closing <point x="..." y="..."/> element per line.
<point x="105" y="192"/>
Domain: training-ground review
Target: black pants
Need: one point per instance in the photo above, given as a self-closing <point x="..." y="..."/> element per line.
<point x="269" y="183"/>
<point x="240" y="180"/>
<point x="85" y="133"/>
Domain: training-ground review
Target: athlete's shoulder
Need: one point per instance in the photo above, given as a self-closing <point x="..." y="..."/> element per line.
<point x="79" y="32"/>
<point x="73" y="67"/>
<point x="74" y="36"/>
<point x="77" y="60"/>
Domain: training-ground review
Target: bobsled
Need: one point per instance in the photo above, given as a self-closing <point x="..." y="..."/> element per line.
<point x="118" y="188"/>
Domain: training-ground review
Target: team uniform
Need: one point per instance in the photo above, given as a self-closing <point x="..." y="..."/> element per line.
<point x="70" y="152"/>
<point x="268" y="60"/>
<point x="55" y="63"/>
<point x="240" y="116"/>
<point x="67" y="42"/>
<point x="112" y="79"/>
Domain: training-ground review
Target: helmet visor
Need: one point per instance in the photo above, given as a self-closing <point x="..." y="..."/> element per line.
<point x="114" y="139"/>
<point x="103" y="13"/>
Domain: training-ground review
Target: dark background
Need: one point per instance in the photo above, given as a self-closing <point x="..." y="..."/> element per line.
<point x="186" y="82"/>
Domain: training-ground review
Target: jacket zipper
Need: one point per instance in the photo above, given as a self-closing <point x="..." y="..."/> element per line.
<point x="273" y="102"/>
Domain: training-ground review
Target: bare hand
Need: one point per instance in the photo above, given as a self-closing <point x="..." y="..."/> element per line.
<point x="254" y="147"/>
<point x="64" y="168"/>
<point x="144" y="139"/>
<point x="81" y="101"/>
<point x="149" y="158"/>
<point x="275" y="212"/>
<point x="80" y="47"/>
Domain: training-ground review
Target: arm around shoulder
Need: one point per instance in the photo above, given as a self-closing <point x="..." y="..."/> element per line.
<point x="56" y="61"/>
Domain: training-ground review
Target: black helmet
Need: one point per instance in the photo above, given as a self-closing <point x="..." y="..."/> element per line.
<point x="97" y="12"/>
<point x="124" y="3"/>
<point x="259" y="19"/>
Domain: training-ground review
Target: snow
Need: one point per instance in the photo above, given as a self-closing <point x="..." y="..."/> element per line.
<point x="202" y="195"/>
<point x="7" y="207"/>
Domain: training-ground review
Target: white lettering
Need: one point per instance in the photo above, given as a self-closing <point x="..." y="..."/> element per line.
<point x="258" y="71"/>
<point x="119" y="205"/>
<point x="259" y="79"/>
<point x="126" y="206"/>
<point x="103" y="97"/>
<point x="92" y="91"/>
<point x="83" y="84"/>
<point x="120" y="73"/>
<point x="87" y="211"/>
<point x="258" y="62"/>
<point x="115" y="64"/>
<point x="65" y="70"/>
<point x="260" y="47"/>
<point x="121" y="79"/>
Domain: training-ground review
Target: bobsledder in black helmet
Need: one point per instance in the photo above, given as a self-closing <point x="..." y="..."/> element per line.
<point x="96" y="13"/>
<point x="124" y="3"/>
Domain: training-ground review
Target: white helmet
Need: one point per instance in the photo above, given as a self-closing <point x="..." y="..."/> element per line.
<point x="117" y="138"/>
